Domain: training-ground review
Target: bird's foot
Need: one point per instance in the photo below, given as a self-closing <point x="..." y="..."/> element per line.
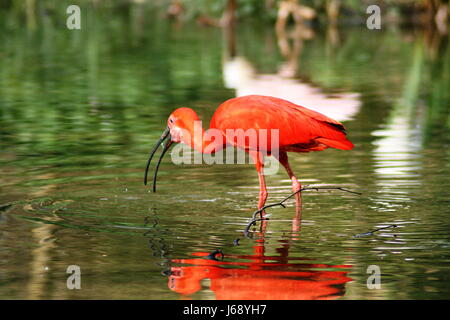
<point x="296" y="186"/>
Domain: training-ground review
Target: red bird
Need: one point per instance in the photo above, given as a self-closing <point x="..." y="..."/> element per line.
<point x="299" y="130"/>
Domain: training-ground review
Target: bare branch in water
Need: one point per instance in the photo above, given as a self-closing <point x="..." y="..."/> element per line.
<point x="370" y="233"/>
<point x="251" y="223"/>
<point x="259" y="211"/>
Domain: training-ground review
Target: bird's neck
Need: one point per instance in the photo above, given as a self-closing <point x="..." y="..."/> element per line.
<point x="203" y="141"/>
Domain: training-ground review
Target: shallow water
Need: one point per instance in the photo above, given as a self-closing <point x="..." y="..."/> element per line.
<point x="79" y="113"/>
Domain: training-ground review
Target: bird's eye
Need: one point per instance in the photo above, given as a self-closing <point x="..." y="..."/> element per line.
<point x="171" y="120"/>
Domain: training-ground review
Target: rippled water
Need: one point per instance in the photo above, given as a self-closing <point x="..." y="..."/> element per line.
<point x="80" y="112"/>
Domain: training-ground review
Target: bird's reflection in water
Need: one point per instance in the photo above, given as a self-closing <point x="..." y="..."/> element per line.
<point x="258" y="275"/>
<point x="262" y="278"/>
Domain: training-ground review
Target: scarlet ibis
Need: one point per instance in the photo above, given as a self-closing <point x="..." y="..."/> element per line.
<point x="300" y="130"/>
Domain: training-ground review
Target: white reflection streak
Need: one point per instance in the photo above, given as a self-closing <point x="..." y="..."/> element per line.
<point x="396" y="156"/>
<point x="240" y="75"/>
<point x="396" y="160"/>
<point x="396" y="152"/>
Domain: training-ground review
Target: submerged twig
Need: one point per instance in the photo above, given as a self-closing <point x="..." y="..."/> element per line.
<point x="251" y="223"/>
<point x="370" y="233"/>
<point x="259" y="211"/>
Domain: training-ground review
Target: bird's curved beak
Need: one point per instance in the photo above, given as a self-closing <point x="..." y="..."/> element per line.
<point x="165" y="136"/>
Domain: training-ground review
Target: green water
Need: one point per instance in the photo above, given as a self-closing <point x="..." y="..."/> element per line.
<point x="80" y="110"/>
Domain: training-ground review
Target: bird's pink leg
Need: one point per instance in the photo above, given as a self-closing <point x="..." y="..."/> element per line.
<point x="259" y="164"/>
<point x="283" y="158"/>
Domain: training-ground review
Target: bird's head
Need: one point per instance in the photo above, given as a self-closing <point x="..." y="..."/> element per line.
<point x="179" y="124"/>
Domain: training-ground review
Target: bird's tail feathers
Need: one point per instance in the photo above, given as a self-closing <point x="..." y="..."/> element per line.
<point x="342" y="144"/>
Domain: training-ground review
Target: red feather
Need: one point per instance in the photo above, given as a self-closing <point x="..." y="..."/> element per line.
<point x="300" y="129"/>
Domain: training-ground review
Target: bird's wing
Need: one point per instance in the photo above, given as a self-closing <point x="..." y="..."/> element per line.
<point x="319" y="116"/>
<point x="328" y="131"/>
<point x="311" y="124"/>
<point x="296" y="124"/>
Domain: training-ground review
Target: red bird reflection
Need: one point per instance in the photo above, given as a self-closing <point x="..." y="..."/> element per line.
<point x="261" y="278"/>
